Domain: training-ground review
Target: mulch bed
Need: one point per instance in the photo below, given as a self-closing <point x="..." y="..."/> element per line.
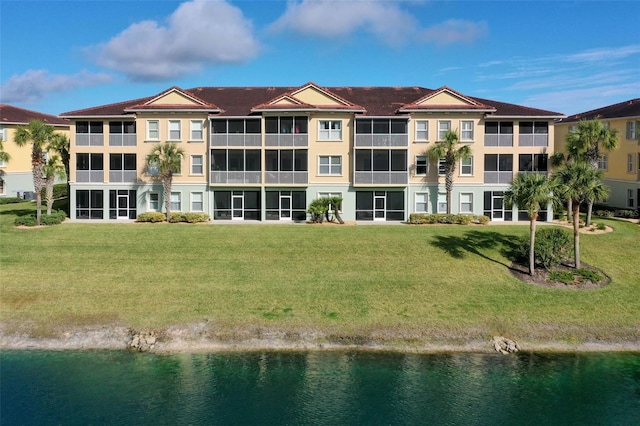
<point x="541" y="277"/>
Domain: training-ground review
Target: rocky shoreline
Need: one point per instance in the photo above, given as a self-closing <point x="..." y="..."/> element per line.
<point x="186" y="340"/>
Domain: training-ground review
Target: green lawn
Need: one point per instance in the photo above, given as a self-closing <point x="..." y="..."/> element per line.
<point x="407" y="283"/>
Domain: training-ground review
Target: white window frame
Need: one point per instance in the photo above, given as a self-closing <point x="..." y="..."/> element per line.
<point x="442" y="202"/>
<point x="470" y="165"/>
<point x="193" y="200"/>
<point x="330" y="165"/>
<point x="194" y="130"/>
<point x="333" y="132"/>
<point x="178" y="196"/>
<point x="441" y="163"/>
<point x="631" y="163"/>
<point x="633" y="130"/>
<point x="426" y="164"/>
<point x="469" y="202"/>
<point x="332" y="194"/>
<point x="603" y="162"/>
<point x="420" y="131"/>
<point x="174" y="126"/>
<point x="4" y="133"/>
<point x="3" y="163"/>
<point x="418" y="202"/>
<point x="150" y="202"/>
<point x="468" y="132"/>
<point x="150" y="130"/>
<point x="193" y="172"/>
<point x="441" y="130"/>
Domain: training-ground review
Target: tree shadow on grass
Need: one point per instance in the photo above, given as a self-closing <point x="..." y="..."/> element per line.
<point x="21" y="212"/>
<point x="477" y="242"/>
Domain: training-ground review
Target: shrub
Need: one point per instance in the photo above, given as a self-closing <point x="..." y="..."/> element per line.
<point x="28" y="220"/>
<point x="601" y="227"/>
<point x="151" y="217"/>
<point x="575" y="276"/>
<point x="604" y="213"/>
<point x="11" y="200"/>
<point x="551" y="247"/>
<point x="481" y="219"/>
<point x="192" y="217"/>
<point x="175" y="218"/>
<point x="625" y="213"/>
<point x="460" y="219"/>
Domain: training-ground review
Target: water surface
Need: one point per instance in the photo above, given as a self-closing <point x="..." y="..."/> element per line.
<point x="318" y="388"/>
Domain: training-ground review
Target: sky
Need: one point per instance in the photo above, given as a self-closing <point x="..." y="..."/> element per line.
<point x="561" y="56"/>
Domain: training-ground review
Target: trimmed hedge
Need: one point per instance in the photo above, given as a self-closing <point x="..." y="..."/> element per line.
<point x="11" y="200"/>
<point x="188" y="217"/>
<point x="443" y="218"/>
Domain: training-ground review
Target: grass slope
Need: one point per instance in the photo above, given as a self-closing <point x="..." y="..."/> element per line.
<point x="390" y="283"/>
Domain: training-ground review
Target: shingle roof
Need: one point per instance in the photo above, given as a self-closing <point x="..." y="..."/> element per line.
<point x="10" y="114"/>
<point x="376" y="101"/>
<point x="630" y="108"/>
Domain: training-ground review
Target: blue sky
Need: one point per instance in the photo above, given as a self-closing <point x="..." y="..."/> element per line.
<point x="563" y="56"/>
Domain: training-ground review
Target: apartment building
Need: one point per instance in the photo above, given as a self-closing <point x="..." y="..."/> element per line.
<point x="16" y="178"/>
<point x="264" y="153"/>
<point x="621" y="167"/>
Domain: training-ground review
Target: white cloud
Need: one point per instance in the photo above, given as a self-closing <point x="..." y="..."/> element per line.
<point x="331" y="18"/>
<point x="387" y="20"/>
<point x="34" y="85"/>
<point x="198" y="33"/>
<point x="455" y="31"/>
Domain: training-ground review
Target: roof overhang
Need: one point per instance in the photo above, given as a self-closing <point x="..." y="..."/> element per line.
<point x="99" y="116"/>
<point x="177" y="110"/>
<point x="294" y="110"/>
<point x="441" y="110"/>
<point x="549" y="117"/>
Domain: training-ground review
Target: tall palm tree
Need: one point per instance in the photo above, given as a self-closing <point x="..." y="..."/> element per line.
<point x="531" y="192"/>
<point x="451" y="151"/>
<point x="52" y="169"/>
<point x="590" y="141"/>
<point x="163" y="162"/>
<point x="581" y="183"/>
<point x="38" y="134"/>
<point x="60" y="144"/>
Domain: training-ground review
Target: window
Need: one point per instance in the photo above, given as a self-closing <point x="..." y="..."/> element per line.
<point x="285" y="125"/>
<point x="235" y="160"/>
<point x="236" y="126"/>
<point x="329" y="195"/>
<point x="4" y="133"/>
<point x="330" y="165"/>
<point x="175" y="202"/>
<point x="422" y="201"/>
<point x="466" y="130"/>
<point x="631" y="163"/>
<point x="532" y="163"/>
<point x="89" y="168"/>
<point x="631" y="202"/>
<point x="633" y="130"/>
<point x="197" y="167"/>
<point x="174" y="130"/>
<point x="330" y="130"/>
<point x="122" y="167"/>
<point x="197" y="203"/>
<point x="122" y="133"/>
<point x="381" y="160"/>
<point x="442" y="166"/>
<point x="498" y="133"/>
<point x="534" y="127"/>
<point x="153" y="130"/>
<point x="443" y="127"/>
<point x="89" y="204"/>
<point x="466" y="202"/>
<point x="286" y="160"/>
<point x="196" y="130"/>
<point x="422" y="130"/>
<point x="603" y="162"/>
<point x="466" y="166"/>
<point x="154" y="202"/>
<point x="89" y="127"/>
<point x="442" y="202"/>
<point x="422" y="165"/>
<point x="498" y="168"/>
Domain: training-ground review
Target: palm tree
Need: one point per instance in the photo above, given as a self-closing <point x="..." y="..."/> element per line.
<point x="4" y="155"/>
<point x="451" y="151"/>
<point x="60" y="144"/>
<point x="581" y="183"/>
<point x="163" y="161"/>
<point x="590" y="141"/>
<point x="38" y="134"/>
<point x="50" y="171"/>
<point x="531" y="191"/>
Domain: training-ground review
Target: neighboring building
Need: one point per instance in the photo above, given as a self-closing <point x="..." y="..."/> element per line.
<point x="264" y="153"/>
<point x="621" y="167"/>
<point x="16" y="177"/>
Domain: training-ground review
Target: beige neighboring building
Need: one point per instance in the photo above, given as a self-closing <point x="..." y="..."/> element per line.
<point x="621" y="167"/>
<point x="16" y="178"/>
<point x="264" y="153"/>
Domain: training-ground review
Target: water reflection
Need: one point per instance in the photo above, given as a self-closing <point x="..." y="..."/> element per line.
<point x="317" y="388"/>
